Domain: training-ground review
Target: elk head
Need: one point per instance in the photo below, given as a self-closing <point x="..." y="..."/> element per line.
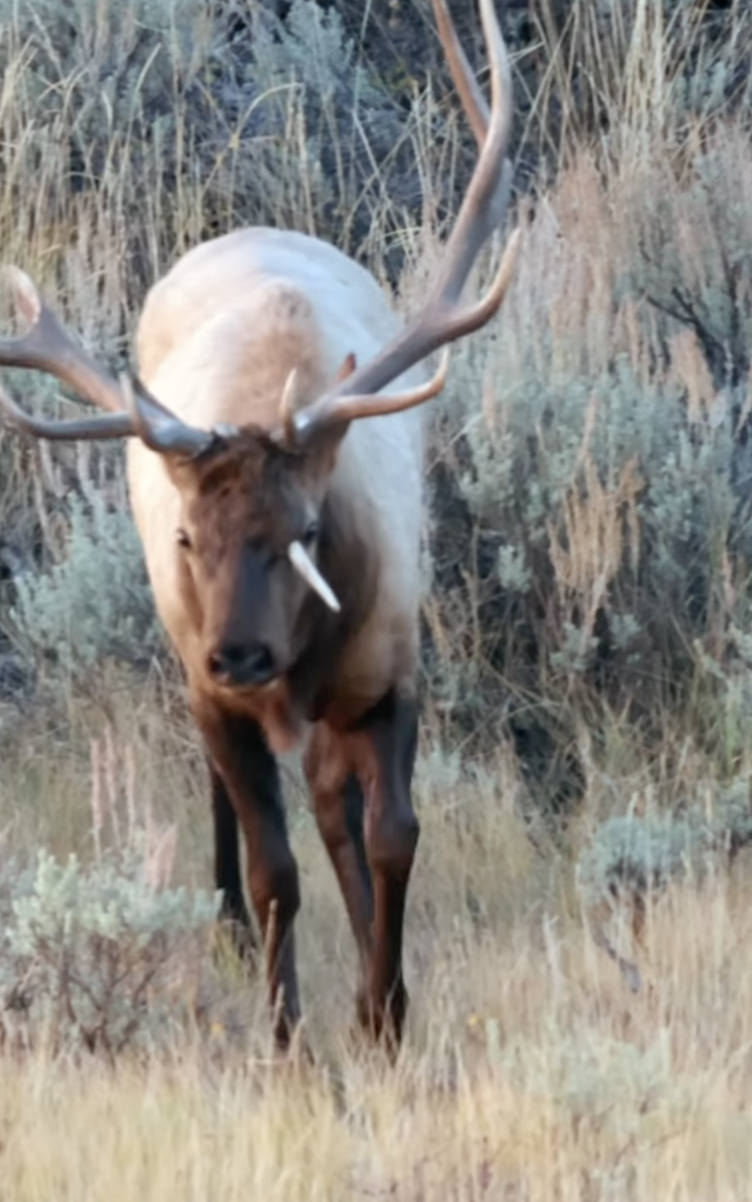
<point x="252" y="500"/>
<point x="250" y="535"/>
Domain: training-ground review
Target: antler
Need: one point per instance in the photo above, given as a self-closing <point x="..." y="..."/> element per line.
<point x="47" y="346"/>
<point x="442" y="320"/>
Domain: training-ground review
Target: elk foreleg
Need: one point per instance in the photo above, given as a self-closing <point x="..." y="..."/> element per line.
<point x="227" y="872"/>
<point x="386" y="749"/>
<point x="249" y="773"/>
<point x="338" y="804"/>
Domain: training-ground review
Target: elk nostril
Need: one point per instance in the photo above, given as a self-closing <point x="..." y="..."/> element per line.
<point x="242" y="664"/>
<point x="261" y="662"/>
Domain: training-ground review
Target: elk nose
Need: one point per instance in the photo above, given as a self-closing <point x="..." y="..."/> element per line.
<point x="241" y="663"/>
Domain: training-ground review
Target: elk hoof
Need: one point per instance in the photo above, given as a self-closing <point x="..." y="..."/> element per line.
<point x="236" y="940"/>
<point x="382" y="1022"/>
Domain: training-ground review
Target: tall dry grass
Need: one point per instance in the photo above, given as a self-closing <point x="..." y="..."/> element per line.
<point x="529" y="1073"/>
<point x="530" y="1070"/>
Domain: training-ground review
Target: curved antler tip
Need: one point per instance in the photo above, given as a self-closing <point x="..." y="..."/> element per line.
<point x="25" y="292"/>
<point x="289" y="398"/>
<point x="512" y="248"/>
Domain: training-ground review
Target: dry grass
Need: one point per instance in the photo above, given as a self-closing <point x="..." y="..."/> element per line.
<point x="623" y="75"/>
<point x="530" y="1071"/>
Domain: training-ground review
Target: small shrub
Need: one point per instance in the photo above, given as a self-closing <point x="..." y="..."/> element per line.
<point x="642" y="854"/>
<point x="632" y="859"/>
<point x="93" y="605"/>
<point x="96" y="956"/>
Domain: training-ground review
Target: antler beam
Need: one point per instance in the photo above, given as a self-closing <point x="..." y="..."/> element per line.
<point x="48" y="347"/>
<point x="442" y="320"/>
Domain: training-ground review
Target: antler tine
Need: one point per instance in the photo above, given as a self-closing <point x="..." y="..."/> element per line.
<point x="108" y="425"/>
<point x="47" y="346"/>
<point x="131" y="410"/>
<point x="356" y="405"/>
<point x="488" y="192"/>
<point x="442" y="320"/>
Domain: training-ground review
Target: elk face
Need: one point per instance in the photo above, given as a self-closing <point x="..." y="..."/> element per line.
<point x="247" y="548"/>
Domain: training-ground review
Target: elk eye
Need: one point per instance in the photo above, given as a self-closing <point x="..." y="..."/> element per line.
<point x="183" y="539"/>
<point x="311" y="534"/>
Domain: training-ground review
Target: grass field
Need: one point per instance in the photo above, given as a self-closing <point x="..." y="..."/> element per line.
<point x="530" y="1070"/>
<point x="585" y="473"/>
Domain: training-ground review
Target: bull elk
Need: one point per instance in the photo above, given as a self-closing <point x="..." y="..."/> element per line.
<point x="281" y="531"/>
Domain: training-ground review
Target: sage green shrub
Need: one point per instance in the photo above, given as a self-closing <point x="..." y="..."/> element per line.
<point x="95" y="603"/>
<point x="97" y="957"/>
<point x="592" y="532"/>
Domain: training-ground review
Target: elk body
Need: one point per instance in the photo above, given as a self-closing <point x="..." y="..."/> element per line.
<point x="282" y="533"/>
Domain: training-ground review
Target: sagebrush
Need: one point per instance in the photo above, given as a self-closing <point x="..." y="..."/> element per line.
<point x="100" y="957"/>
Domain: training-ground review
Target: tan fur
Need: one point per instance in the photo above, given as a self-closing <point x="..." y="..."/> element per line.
<point x="217" y="339"/>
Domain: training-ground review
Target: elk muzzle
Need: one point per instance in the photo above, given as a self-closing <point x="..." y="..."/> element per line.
<point x="234" y="664"/>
